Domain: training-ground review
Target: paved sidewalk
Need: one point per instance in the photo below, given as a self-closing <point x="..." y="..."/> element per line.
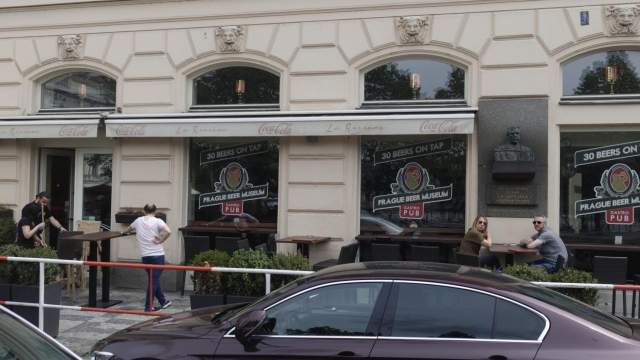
<point x="80" y="330"/>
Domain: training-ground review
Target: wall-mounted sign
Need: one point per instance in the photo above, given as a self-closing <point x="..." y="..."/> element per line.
<point x="411" y="191"/>
<point x="234" y="152"/>
<point x="233" y="190"/>
<point x="607" y="153"/>
<point x="616" y="196"/>
<point x="412" y="151"/>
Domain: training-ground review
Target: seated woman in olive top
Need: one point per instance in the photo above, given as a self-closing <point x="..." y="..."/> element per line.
<point x="477" y="241"/>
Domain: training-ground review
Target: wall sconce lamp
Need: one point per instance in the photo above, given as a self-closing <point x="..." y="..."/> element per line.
<point x="240" y="88"/>
<point x="612" y="76"/>
<point x="414" y="84"/>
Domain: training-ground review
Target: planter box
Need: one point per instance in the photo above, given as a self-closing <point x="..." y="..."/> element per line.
<point x="52" y="295"/>
<point x="236" y="299"/>
<point x="200" y="301"/>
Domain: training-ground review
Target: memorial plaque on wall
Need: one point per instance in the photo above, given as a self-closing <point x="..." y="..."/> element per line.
<point x="512" y="195"/>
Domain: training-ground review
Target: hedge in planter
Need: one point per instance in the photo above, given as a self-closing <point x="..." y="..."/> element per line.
<point x="569" y="275"/>
<point x="209" y="287"/>
<point x="7" y="273"/>
<point x="25" y="288"/>
<point x="287" y="262"/>
<point x="7" y="231"/>
<point x="246" y="287"/>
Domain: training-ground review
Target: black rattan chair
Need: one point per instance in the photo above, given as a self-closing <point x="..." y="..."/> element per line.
<point x="424" y="253"/>
<point x="347" y="255"/>
<point x="385" y="252"/>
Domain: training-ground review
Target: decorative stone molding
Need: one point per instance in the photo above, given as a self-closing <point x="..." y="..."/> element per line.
<point x="622" y="19"/>
<point x="70" y="47"/>
<point x="230" y="38"/>
<point x="412" y="29"/>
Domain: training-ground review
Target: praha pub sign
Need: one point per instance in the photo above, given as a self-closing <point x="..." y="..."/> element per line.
<point x="411" y="192"/>
<point x="232" y="190"/>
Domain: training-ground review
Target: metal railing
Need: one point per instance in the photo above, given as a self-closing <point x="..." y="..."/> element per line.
<point x="42" y="262"/>
<point x="41" y="305"/>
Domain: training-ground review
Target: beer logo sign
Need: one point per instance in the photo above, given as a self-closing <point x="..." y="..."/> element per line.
<point x="411" y="191"/>
<point x="617" y="195"/>
<point x="232" y="190"/>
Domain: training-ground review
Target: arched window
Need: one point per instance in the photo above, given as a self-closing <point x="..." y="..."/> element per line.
<point x="236" y="85"/>
<point x="79" y="90"/>
<point x="414" y="79"/>
<point x="613" y="72"/>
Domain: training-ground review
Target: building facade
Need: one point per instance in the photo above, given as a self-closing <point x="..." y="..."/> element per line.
<point x="324" y="118"/>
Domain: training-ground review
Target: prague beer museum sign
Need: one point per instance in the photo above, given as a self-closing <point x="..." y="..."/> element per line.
<point x="618" y="193"/>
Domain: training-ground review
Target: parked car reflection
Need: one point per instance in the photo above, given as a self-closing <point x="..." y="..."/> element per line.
<point x="388" y="310"/>
<point x="376" y="224"/>
<point x="19" y="340"/>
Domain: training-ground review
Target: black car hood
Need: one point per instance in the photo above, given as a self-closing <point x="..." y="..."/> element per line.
<point x="188" y="324"/>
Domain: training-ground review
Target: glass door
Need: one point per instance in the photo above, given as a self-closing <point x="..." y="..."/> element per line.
<point x="56" y="178"/>
<point x="93" y="186"/>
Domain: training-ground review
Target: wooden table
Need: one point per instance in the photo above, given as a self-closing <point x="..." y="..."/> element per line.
<point x="93" y="239"/>
<point x="304" y="241"/>
<point x="509" y="250"/>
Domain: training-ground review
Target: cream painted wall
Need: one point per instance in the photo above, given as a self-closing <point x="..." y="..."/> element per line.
<point x="510" y="49"/>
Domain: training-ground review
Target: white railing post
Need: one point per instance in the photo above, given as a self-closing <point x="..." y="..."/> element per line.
<point x="41" y="296"/>
<point x="267" y="283"/>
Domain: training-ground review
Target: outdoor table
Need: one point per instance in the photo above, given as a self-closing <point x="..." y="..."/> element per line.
<point x="304" y="241"/>
<point x="509" y="250"/>
<point x="93" y="239"/>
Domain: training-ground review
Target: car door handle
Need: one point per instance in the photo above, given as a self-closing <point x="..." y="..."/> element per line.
<point x="497" y="357"/>
<point x="346" y="353"/>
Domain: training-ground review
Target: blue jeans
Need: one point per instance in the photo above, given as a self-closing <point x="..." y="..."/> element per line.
<point x="548" y="265"/>
<point x="157" y="291"/>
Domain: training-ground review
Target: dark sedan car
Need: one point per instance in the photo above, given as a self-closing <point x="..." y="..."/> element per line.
<point x="384" y="310"/>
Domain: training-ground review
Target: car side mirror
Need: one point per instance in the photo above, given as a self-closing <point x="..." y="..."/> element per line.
<point x="248" y="324"/>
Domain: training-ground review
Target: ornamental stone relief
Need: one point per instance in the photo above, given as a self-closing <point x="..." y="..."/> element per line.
<point x="230" y="38"/>
<point x="412" y="29"/>
<point x="70" y="47"/>
<point x="622" y="20"/>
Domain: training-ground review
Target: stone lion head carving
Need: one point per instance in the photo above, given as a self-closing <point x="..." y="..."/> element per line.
<point x="622" y="20"/>
<point x="229" y="38"/>
<point x="69" y="46"/>
<point x="412" y="29"/>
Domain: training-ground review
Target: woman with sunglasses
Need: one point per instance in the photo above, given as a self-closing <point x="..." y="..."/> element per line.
<point x="477" y="242"/>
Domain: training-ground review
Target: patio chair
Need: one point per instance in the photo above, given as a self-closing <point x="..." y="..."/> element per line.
<point x="70" y="250"/>
<point x="193" y="245"/>
<point x="347" y="255"/>
<point x="424" y="253"/>
<point x="612" y="270"/>
<point x="385" y="252"/>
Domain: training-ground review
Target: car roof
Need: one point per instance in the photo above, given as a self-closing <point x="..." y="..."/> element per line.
<point x="416" y="271"/>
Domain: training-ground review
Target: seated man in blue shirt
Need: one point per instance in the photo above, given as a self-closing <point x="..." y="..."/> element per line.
<point x="548" y="243"/>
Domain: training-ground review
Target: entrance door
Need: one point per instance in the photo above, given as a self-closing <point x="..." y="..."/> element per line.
<point x="56" y="178"/>
<point x="93" y="185"/>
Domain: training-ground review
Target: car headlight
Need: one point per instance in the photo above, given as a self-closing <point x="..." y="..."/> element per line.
<point x="102" y="355"/>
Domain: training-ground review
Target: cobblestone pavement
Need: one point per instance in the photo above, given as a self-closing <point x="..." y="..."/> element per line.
<point x="80" y="330"/>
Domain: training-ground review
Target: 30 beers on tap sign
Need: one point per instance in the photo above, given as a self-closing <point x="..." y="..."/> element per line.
<point x="412" y="189"/>
<point x="233" y="187"/>
<point x="618" y="193"/>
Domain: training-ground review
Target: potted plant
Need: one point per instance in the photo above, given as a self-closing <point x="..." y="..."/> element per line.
<point x="208" y="286"/>
<point x="24" y="288"/>
<point x="7" y="273"/>
<point x="569" y="275"/>
<point x="243" y="287"/>
<point x="287" y="262"/>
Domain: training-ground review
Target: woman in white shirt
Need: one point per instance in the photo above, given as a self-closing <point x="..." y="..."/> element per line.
<point x="151" y="232"/>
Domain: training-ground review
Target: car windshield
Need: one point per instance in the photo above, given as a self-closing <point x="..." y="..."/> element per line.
<point x="577" y="308"/>
<point x="20" y="342"/>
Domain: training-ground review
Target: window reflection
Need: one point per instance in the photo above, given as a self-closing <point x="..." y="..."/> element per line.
<point x="412" y="165"/>
<point x="79" y="90"/>
<point x="585" y="181"/>
<point x="414" y="79"/>
<point x="602" y="73"/>
<point x="236" y="85"/>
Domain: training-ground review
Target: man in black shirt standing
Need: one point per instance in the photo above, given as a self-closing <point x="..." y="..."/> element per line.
<point x="28" y="233"/>
<point x="34" y="210"/>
